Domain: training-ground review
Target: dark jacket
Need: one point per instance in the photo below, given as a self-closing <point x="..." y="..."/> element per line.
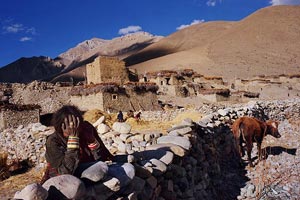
<point x="62" y="160"/>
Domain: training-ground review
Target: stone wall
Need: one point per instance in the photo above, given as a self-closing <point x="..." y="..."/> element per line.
<point x="213" y="97"/>
<point x="49" y="96"/>
<point x="113" y="102"/>
<point x="194" y="160"/>
<point x="88" y="102"/>
<point x="106" y="69"/>
<point x="14" y="118"/>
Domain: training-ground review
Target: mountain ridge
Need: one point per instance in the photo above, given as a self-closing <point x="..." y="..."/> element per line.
<point x="264" y="43"/>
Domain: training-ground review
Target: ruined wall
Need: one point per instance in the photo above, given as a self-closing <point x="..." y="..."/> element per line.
<point x="113" y="102"/>
<point x="49" y="96"/>
<point x="89" y="102"/>
<point x="172" y="90"/>
<point x="213" y="97"/>
<point x="130" y="101"/>
<point x="107" y="69"/>
<point x="12" y="118"/>
<point x="143" y="101"/>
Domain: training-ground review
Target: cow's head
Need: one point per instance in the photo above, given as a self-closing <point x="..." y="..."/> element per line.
<point x="272" y="128"/>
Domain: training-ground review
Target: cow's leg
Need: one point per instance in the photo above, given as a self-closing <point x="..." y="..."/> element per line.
<point x="242" y="152"/>
<point x="259" y="151"/>
<point x="238" y="150"/>
<point x="249" y="145"/>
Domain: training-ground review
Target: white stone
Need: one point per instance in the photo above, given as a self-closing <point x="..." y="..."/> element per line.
<point x="33" y="191"/>
<point x="124" y="136"/>
<point x="95" y="172"/>
<point x="177" y="150"/>
<point x="121" y="127"/>
<point x="99" y="121"/>
<point x="159" y="165"/>
<point x="122" y="147"/>
<point x="113" y="184"/>
<point x="180" y="141"/>
<point x="102" y="128"/>
<point x="70" y="186"/>
<point x="181" y="131"/>
<point x="124" y="173"/>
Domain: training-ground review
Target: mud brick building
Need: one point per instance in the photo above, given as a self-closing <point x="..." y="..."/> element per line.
<point x="106" y="69"/>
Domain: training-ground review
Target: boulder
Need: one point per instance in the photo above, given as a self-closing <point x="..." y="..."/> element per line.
<point x="180" y="141"/>
<point x="32" y="191"/>
<point x="121" y="127"/>
<point x="99" y="121"/>
<point x="102" y="128"/>
<point x="70" y="186"/>
<point x="95" y="172"/>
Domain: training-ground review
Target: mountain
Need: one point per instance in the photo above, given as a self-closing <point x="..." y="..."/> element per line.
<point x="71" y="64"/>
<point x="25" y="70"/>
<point x="265" y="42"/>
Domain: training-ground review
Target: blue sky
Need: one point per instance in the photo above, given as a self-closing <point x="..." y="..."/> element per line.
<point x="50" y="27"/>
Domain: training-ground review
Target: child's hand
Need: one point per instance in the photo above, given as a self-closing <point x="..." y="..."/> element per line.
<point x="70" y="126"/>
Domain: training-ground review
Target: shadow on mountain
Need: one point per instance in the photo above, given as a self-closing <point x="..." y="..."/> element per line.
<point x="25" y="70"/>
<point x="146" y="55"/>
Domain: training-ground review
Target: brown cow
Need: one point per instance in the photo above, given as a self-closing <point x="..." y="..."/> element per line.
<point x="249" y="130"/>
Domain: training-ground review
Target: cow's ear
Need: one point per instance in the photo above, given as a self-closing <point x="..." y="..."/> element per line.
<point x="275" y="124"/>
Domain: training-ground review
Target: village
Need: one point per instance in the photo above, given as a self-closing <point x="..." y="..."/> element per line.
<point x="176" y="151"/>
<point x="111" y="87"/>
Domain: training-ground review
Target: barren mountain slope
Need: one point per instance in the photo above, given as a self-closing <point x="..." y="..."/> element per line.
<point x="77" y="57"/>
<point x="266" y="42"/>
<point x="185" y="39"/>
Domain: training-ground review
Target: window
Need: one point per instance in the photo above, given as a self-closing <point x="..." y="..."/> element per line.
<point x="114" y="97"/>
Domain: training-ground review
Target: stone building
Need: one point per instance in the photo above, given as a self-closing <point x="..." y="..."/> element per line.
<point x="12" y="116"/>
<point x="111" y="97"/>
<point x="106" y="69"/>
<point x="214" y="95"/>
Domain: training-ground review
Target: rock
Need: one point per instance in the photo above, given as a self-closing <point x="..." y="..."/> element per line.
<point x="99" y="121"/>
<point x="102" y="128"/>
<point x="70" y="186"/>
<point x="121" y="127"/>
<point x="180" y="141"/>
<point x="177" y="150"/>
<point x="33" y="191"/>
<point x="124" y="136"/>
<point x="124" y="173"/>
<point x="95" y="172"/>
<point x="160" y="154"/>
<point x="181" y="131"/>
<point x="104" y="190"/>
<point x="113" y="183"/>
<point x="158" y="165"/>
<point x="223" y="112"/>
<point x="152" y="181"/>
<point x="187" y="122"/>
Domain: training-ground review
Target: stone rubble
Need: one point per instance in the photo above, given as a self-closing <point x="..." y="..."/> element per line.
<point x="194" y="160"/>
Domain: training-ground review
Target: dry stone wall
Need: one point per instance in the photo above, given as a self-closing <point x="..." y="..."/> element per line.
<point x="194" y="160"/>
<point x="12" y="118"/>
